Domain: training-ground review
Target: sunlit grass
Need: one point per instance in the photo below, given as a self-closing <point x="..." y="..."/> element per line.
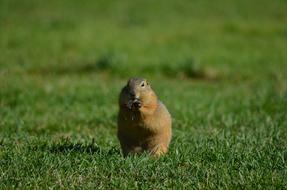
<point x="220" y="68"/>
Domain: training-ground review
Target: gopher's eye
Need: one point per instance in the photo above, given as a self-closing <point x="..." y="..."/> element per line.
<point x="142" y="85"/>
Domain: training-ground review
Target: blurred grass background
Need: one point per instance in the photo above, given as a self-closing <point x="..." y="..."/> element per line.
<point x="219" y="66"/>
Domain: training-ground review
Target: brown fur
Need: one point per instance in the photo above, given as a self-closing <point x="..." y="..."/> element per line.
<point x="146" y="127"/>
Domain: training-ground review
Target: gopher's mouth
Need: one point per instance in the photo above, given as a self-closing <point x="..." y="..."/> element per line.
<point x="134" y="104"/>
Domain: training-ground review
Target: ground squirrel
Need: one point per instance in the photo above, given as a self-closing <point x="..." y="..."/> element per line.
<point x="144" y="123"/>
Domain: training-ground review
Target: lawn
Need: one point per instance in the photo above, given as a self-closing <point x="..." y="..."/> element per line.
<point x="219" y="66"/>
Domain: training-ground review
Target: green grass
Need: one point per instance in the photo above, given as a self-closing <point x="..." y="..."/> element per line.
<point x="219" y="66"/>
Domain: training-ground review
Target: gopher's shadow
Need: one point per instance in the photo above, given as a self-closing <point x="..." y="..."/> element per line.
<point x="66" y="146"/>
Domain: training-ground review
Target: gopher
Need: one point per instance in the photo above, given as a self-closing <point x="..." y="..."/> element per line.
<point x="144" y="123"/>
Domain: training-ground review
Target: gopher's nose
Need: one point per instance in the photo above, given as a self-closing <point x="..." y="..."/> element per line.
<point x="132" y="94"/>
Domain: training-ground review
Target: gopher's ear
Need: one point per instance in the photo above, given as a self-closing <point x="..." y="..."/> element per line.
<point x="147" y="83"/>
